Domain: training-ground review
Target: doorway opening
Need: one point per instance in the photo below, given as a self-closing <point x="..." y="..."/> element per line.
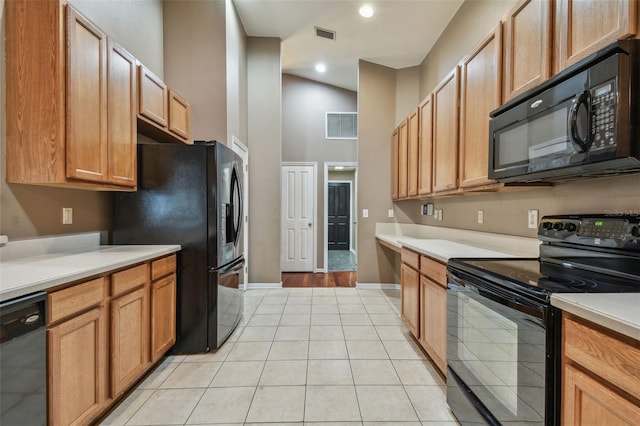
<point x="340" y="216"/>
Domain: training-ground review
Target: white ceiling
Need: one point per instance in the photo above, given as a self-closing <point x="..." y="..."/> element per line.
<point x="399" y="34"/>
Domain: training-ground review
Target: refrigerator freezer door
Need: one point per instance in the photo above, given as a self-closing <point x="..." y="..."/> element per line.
<point x="225" y="301"/>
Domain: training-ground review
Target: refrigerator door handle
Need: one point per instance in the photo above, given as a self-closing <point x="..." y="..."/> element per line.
<point x="236" y="200"/>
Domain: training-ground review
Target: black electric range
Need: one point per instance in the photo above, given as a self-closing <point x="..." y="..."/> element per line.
<point x="578" y="254"/>
<point x="503" y="347"/>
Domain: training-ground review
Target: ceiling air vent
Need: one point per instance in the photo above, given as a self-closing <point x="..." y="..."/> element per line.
<point x="321" y="32"/>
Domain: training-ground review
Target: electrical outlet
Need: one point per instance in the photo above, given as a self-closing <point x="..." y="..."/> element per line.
<point x="532" y="219"/>
<point x="365" y="212"/>
<point x="480" y="216"/>
<point x="440" y="215"/>
<point x="390" y="213"/>
<point x="67" y="216"/>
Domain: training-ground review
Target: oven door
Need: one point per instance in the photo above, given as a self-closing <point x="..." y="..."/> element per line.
<point x="497" y="352"/>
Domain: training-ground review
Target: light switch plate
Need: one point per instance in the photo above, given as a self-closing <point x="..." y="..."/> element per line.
<point x="390" y="213"/>
<point x="365" y="212"/>
<point x="532" y="219"/>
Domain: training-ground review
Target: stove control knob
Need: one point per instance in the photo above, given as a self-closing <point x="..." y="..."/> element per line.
<point x="558" y="226"/>
<point x="635" y="231"/>
<point x="547" y="225"/>
<point x="571" y="227"/>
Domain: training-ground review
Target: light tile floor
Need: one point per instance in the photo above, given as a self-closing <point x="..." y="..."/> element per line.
<point x="300" y="356"/>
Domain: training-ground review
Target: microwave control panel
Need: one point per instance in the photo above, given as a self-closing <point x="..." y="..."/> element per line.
<point x="603" y="116"/>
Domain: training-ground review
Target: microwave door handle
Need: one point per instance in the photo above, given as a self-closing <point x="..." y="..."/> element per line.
<point x="580" y="136"/>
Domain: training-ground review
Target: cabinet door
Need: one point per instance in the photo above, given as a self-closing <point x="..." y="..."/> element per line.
<point x="86" y="100"/>
<point x="527" y="46"/>
<point x="129" y="338"/>
<point x="152" y="98"/>
<point x="121" y="117"/>
<point x="395" y="141"/>
<point x="77" y="368"/>
<point x="412" y="153"/>
<point x="425" y="150"/>
<point x="586" y="401"/>
<point x="480" y="93"/>
<point x="433" y="318"/>
<point x="410" y="298"/>
<point x="445" y="133"/>
<point x="179" y="116"/>
<point x="583" y="27"/>
<point x="403" y="164"/>
<point x="163" y="316"/>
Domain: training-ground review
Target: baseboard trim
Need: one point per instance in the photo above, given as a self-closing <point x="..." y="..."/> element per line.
<point x="257" y="286"/>
<point x="377" y="286"/>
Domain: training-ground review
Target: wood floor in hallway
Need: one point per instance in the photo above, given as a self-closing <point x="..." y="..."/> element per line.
<point x="329" y="279"/>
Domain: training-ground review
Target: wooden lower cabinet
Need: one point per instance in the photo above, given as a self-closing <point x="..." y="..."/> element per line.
<point x="586" y="401"/>
<point x="104" y="334"/>
<point x="129" y="338"/>
<point x="163" y="316"/>
<point x="410" y="298"/>
<point x="77" y="373"/>
<point x="600" y="370"/>
<point x="433" y="321"/>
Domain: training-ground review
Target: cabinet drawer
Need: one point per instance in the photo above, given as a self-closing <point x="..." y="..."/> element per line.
<point x="616" y="360"/>
<point x="410" y="258"/>
<point x="434" y="270"/>
<point x="75" y="299"/>
<point x="162" y="267"/>
<point x="129" y="279"/>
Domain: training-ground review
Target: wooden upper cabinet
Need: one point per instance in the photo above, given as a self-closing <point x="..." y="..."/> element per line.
<point x="86" y="99"/>
<point x="179" y="116"/>
<point x="162" y="114"/>
<point x="413" y="130"/>
<point x="152" y="97"/>
<point x="121" y="117"/>
<point x="527" y="46"/>
<point x="58" y="88"/>
<point x="395" y="140"/>
<point x="445" y="133"/>
<point x="583" y="27"/>
<point x="403" y="158"/>
<point x="480" y="93"/>
<point x="425" y="150"/>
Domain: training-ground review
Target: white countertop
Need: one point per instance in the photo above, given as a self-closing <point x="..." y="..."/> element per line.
<point x="445" y="243"/>
<point x="617" y="311"/>
<point x="24" y="275"/>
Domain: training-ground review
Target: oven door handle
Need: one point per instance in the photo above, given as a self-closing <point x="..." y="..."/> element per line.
<point x="504" y="298"/>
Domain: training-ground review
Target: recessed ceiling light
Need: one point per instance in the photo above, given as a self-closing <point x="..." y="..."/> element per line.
<point x="321" y="68"/>
<point x="366" y="11"/>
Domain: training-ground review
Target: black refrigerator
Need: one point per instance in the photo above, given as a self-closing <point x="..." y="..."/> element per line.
<point x="191" y="195"/>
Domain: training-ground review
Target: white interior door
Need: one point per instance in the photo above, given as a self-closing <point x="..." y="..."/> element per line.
<point x="298" y="218"/>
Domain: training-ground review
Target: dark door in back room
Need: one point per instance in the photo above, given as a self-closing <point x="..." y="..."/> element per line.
<point x="338" y="215"/>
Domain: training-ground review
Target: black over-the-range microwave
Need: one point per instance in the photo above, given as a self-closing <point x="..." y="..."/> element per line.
<point x="582" y="122"/>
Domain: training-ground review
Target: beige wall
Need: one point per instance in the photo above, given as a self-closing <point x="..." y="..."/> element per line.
<point x="29" y="211"/>
<point x="304" y="103"/>
<point x="407" y="92"/>
<point x="236" y="75"/>
<point x="264" y="89"/>
<point x="195" y="52"/>
<point x="376" y="121"/>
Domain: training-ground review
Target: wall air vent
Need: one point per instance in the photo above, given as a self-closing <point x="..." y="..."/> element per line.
<point x="328" y="34"/>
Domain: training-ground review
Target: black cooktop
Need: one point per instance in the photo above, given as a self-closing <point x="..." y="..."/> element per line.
<point x="578" y="254"/>
<point x="556" y="275"/>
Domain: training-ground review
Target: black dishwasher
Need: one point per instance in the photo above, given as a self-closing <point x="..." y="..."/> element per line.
<point x="23" y="361"/>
